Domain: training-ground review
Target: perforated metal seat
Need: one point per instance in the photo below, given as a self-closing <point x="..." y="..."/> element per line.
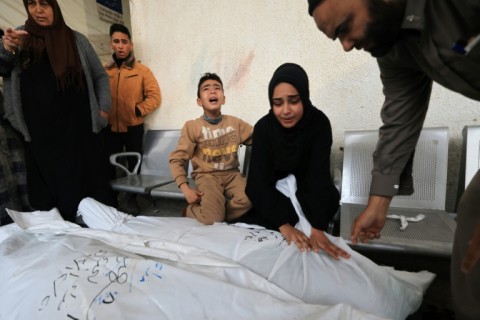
<point x="434" y="234"/>
<point x="171" y="190"/>
<point x="155" y="168"/>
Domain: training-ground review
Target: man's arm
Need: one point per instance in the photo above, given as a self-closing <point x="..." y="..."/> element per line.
<point x="472" y="257"/>
<point x="407" y="93"/>
<point x="151" y="92"/>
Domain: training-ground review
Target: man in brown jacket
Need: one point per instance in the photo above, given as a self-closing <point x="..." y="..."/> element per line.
<point x="135" y="93"/>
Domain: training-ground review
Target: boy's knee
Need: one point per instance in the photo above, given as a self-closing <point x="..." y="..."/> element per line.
<point x="207" y="216"/>
<point x="205" y="220"/>
<point x="241" y="201"/>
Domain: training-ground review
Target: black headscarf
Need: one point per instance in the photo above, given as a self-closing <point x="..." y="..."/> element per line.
<point x="288" y="143"/>
<point x="59" y="42"/>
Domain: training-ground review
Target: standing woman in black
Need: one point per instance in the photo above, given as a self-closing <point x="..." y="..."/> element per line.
<point x="293" y="138"/>
<point x="57" y="95"/>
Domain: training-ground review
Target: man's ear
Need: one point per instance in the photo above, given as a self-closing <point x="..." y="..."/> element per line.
<point x="199" y="102"/>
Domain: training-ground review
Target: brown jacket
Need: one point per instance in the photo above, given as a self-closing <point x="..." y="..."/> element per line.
<point x="132" y="85"/>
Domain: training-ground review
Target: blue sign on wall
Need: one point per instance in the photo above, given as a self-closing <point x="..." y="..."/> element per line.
<point x="115" y="5"/>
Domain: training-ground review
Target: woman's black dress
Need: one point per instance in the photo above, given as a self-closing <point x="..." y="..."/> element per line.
<point x="65" y="160"/>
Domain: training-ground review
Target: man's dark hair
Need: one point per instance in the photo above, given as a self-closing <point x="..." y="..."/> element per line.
<point x="1" y="32"/>
<point x="205" y="77"/>
<point x="312" y="4"/>
<point x="117" y="27"/>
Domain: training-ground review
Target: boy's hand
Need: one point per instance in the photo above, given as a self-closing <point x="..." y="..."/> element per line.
<point x="191" y="195"/>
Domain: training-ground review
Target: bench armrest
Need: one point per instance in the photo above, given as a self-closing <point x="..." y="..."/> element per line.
<point x="113" y="161"/>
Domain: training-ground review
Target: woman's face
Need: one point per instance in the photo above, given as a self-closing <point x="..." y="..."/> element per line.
<point x="41" y="12"/>
<point x="287" y="105"/>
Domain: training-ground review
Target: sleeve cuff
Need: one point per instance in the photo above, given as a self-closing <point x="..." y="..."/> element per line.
<point x="391" y="186"/>
<point x="181" y="179"/>
<point x="6" y="55"/>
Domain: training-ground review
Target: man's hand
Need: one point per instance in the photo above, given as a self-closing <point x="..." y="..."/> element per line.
<point x="319" y="241"/>
<point x="104" y="115"/>
<point x="296" y="236"/>
<point x="472" y="256"/>
<point x="191" y="195"/>
<point x="369" y="223"/>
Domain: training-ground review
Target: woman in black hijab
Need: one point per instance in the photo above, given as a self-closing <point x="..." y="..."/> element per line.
<point x="293" y="138"/>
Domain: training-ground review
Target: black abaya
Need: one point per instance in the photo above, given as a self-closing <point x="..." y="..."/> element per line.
<point x="65" y="160"/>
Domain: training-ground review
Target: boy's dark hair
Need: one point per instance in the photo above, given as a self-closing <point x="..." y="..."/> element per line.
<point x="205" y="77"/>
<point x="117" y="27"/>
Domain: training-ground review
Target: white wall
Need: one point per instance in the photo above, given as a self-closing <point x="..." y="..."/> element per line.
<point x="245" y="41"/>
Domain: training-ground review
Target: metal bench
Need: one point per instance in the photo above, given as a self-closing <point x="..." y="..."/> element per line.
<point x="432" y="235"/>
<point x="155" y="169"/>
<point x="172" y="191"/>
